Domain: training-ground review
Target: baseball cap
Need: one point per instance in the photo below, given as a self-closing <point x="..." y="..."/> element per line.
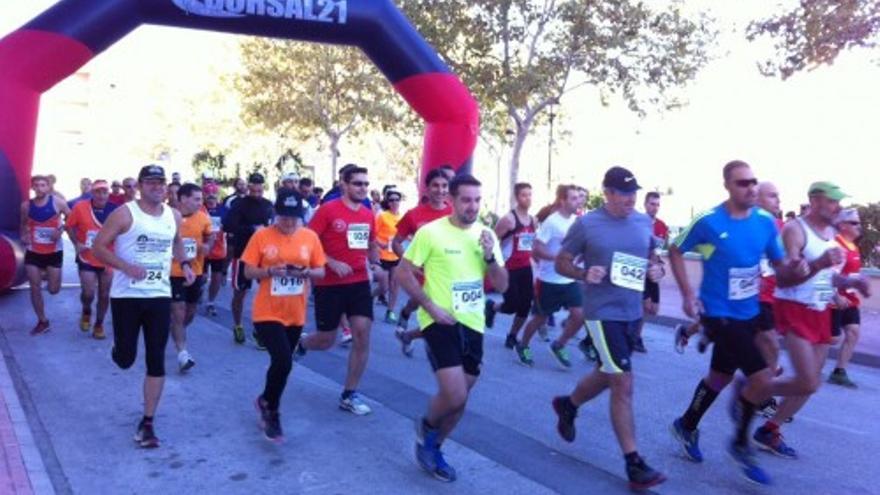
<point x="847" y="215"/>
<point x="621" y="179"/>
<point x="211" y="189"/>
<point x="207" y="174"/>
<point x="829" y="189"/>
<point x="151" y="172"/>
<point x="393" y="194"/>
<point x="290" y="176"/>
<point x="289" y="204"/>
<point x="256" y="178"/>
<point x="100" y="184"/>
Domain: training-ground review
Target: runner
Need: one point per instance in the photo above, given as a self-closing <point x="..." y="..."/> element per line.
<point x="554" y="291"/>
<point x="517" y="233"/>
<point x="244" y="218"/>
<point x="173" y="188"/>
<point x="85" y="187"/>
<point x="129" y="188"/>
<point x="41" y="228"/>
<point x="616" y="244"/>
<point x="347" y="232"/>
<point x="83" y="225"/>
<point x="846" y="315"/>
<point x="386" y="228"/>
<point x="117" y="197"/>
<point x="652" y="289"/>
<point x="283" y="257"/>
<point x="196" y="230"/>
<point x="138" y="241"/>
<point x="240" y="190"/>
<point x="436" y="206"/>
<point x="215" y="261"/>
<point x="802" y="310"/>
<point x="456" y="253"/>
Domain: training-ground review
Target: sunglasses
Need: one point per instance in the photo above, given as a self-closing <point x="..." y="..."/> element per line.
<point x="360" y="183"/>
<point x="128" y="186"/>
<point x="746" y="183"/>
<point x="395" y="200"/>
<point x="854" y="224"/>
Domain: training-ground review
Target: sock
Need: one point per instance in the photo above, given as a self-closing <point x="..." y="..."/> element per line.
<point x="702" y="400"/>
<point x="745" y="421"/>
<point x="147" y="419"/>
<point x="838" y="370"/>
<point x="632" y="458"/>
<point x="347" y="393"/>
<point x="404" y="317"/>
<point x="569" y="404"/>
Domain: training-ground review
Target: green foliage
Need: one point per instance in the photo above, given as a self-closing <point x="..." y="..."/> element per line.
<point x="595" y="200"/>
<point x="870" y="216"/>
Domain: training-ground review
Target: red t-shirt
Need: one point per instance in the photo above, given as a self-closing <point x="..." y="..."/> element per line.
<point x="768" y="276"/>
<point x="116" y="199"/>
<point x="418" y="216"/>
<point x="852" y="266"/>
<point x="661" y="230"/>
<point x="346" y="235"/>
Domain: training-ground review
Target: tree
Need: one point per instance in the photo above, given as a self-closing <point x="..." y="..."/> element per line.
<point x="521" y="56"/>
<point x="815" y="32"/>
<point x="311" y="90"/>
<point x="870" y="240"/>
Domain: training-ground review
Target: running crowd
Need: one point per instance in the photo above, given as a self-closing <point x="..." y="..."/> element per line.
<point x="146" y="247"/>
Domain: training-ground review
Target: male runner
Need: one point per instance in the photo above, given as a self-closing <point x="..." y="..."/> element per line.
<point x="215" y="261"/>
<point x="554" y="291"/>
<point x="616" y="244"/>
<point x="244" y="218"/>
<point x="652" y="289"/>
<point x="240" y="190"/>
<point x="198" y="237"/>
<point x="83" y="224"/>
<point x="846" y="316"/>
<point x="41" y="228"/>
<point x="456" y="253"/>
<point x="437" y="206"/>
<point x="347" y="231"/>
<point x="516" y="230"/>
<point x="129" y="188"/>
<point x="138" y="241"/>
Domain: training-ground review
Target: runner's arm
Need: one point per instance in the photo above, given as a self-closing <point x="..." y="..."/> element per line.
<point x="540" y="251"/>
<point x="793" y="269"/>
<point x="503" y="226"/>
<point x="566" y="267"/>
<point x="397" y="245"/>
<point x="405" y="276"/>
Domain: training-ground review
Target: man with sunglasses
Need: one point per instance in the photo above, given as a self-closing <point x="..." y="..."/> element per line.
<point x="116" y="197"/>
<point x="846" y="316"/>
<point x="347" y="231"/>
<point x="129" y="189"/>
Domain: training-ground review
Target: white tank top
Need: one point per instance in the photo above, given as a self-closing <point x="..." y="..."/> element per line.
<point x="817" y="291"/>
<point x="147" y="243"/>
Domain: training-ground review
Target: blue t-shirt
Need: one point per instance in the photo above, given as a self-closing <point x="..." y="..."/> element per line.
<point x="101" y="214"/>
<point x="732" y="250"/>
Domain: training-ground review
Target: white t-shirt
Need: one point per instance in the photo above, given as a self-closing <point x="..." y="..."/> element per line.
<point x="551" y="232"/>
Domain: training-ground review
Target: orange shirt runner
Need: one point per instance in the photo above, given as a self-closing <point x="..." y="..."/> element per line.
<point x="86" y="224"/>
<point x="194" y="229"/>
<point x="386" y="228"/>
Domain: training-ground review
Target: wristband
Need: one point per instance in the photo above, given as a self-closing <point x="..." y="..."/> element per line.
<point x="490" y="260"/>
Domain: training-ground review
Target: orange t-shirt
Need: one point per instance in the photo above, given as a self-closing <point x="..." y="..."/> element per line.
<point x="281" y="299"/>
<point x="194" y="229"/>
<point x="82" y="220"/>
<point x="386" y="227"/>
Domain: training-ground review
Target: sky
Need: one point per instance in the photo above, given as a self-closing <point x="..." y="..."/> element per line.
<point x="814" y="126"/>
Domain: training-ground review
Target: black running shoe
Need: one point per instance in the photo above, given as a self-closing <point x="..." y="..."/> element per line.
<point x="642" y="476"/>
<point x="565" y="418"/>
<point x="489" y="312"/>
<point x="510" y="342"/>
<point x="270" y="421"/>
<point x="640" y="346"/>
<point x="146" y="436"/>
<point x="257" y="342"/>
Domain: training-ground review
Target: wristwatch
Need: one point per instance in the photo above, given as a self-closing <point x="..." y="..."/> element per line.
<point x="490" y="260"/>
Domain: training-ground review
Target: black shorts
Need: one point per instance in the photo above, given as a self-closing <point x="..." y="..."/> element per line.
<point x="520" y="293"/>
<point x="448" y="346"/>
<point x="333" y="301"/>
<point x="85" y="267"/>
<point x="129" y="316"/>
<point x="614" y="342"/>
<point x="841" y="318"/>
<point x="239" y="281"/>
<point x="43" y="261"/>
<point x="765" y="318"/>
<point x="388" y="265"/>
<point x="734" y="347"/>
<point x="550" y="298"/>
<point x="216" y="266"/>
<point x="182" y="293"/>
<point x="651" y="292"/>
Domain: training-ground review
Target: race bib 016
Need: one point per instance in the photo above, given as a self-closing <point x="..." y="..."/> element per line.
<point x="743" y="283"/>
<point x="467" y="297"/>
<point x="358" y="236"/>
<point x="628" y="271"/>
<point x="287" y="286"/>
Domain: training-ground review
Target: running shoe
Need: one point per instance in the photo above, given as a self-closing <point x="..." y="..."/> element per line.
<point x="690" y="440"/>
<point x="771" y="440"/>
<point x="589" y="352"/>
<point x="238" y="334"/>
<point x="489" y="312"/>
<point x="768" y="409"/>
<point x="640" y="346"/>
<point x="346" y="336"/>
<point x="145" y="436"/>
<point x="561" y="354"/>
<point x="98" y="332"/>
<point x="744" y="458"/>
<point x="524" y="355"/>
<point x="510" y="341"/>
<point x="300" y="351"/>
<point x="428" y="453"/>
<point x="257" y="342"/>
<point x="185" y="361"/>
<point x="85" y="322"/>
<point x="390" y="317"/>
<point x="211" y="310"/>
<point x="355" y="405"/>
<point x="839" y="377"/>
<point x="681" y="338"/>
<point x="543" y="333"/>
<point x="381" y="300"/>
<point x="565" y="416"/>
<point x="270" y="421"/>
<point x="41" y="328"/>
<point x="406" y="345"/>
<point x="642" y="476"/>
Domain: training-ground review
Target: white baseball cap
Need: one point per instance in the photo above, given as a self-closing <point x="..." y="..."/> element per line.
<point x="289" y="176"/>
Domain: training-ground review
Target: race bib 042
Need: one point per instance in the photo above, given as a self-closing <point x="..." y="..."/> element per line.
<point x="628" y="271"/>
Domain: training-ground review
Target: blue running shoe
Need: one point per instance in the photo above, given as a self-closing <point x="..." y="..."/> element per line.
<point x="771" y="441"/>
<point x="442" y="470"/>
<point x="690" y="440"/>
<point x="744" y="458"/>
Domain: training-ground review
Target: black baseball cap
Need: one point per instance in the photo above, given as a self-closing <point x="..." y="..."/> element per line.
<point x="256" y="178"/>
<point x="621" y="179"/>
<point x="151" y="172"/>
<point x="289" y="203"/>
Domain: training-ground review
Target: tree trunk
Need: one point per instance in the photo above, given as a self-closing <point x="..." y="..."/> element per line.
<point x="522" y="132"/>
<point x="334" y="157"/>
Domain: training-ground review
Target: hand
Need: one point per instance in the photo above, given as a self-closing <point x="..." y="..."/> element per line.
<point x="692" y="306"/>
<point x="189" y="277"/>
<point x="487" y="242"/>
<point x="340" y="269"/>
<point x="800" y="267"/>
<point x="841" y="302"/>
<point x="439" y="315"/>
<point x="861" y="284"/>
<point x="656" y="272"/>
<point x="56" y="234"/>
<point x="831" y="257"/>
<point x="135" y="272"/>
<point x="595" y="274"/>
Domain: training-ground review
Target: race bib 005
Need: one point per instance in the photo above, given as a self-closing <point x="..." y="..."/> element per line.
<point x="467" y="297"/>
<point x="743" y="283"/>
<point x="358" y="236"/>
<point x="628" y="271"/>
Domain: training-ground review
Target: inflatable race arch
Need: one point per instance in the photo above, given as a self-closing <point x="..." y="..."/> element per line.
<point x="64" y="38"/>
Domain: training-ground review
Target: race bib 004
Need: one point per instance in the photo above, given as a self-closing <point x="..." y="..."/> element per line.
<point x="287" y="286"/>
<point x="467" y="297"/>
<point x="358" y="236"/>
<point x="743" y="283"/>
<point x="628" y="271"/>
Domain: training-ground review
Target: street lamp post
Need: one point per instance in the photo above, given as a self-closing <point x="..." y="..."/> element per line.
<point x="550" y="150"/>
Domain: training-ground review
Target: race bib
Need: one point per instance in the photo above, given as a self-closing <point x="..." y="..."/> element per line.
<point x="43" y="235"/>
<point x="743" y="283"/>
<point x="90" y="238"/>
<point x="766" y="269"/>
<point x="287" y="286"/>
<point x="823" y="289"/>
<point x="358" y="236"/>
<point x="155" y="276"/>
<point x="628" y="271"/>
<point x="526" y="241"/>
<point x="467" y="297"/>
<point x="216" y="224"/>
<point x="190" y="248"/>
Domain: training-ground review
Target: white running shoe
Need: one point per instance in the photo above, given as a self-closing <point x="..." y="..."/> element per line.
<point x="185" y="361"/>
<point x="355" y="405"/>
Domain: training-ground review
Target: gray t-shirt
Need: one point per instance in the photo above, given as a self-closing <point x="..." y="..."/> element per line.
<point x="623" y="246"/>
